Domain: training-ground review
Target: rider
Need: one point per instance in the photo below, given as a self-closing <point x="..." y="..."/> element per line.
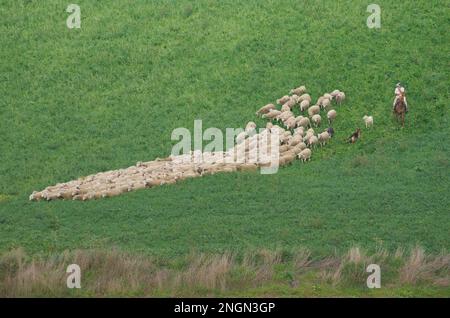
<point x="400" y="90"/>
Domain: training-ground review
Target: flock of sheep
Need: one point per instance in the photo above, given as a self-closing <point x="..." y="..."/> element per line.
<point x="301" y="125"/>
<point x="142" y="175"/>
<point x="295" y="138"/>
<point x="160" y="171"/>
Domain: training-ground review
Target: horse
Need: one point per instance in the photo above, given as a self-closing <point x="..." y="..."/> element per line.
<point x="400" y="109"/>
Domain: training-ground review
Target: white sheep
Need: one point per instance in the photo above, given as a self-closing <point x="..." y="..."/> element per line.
<point x="304" y="122"/>
<point x="283" y="99"/>
<point x="328" y="96"/>
<point x="298" y="118"/>
<point x="331" y="115"/>
<point x="277" y="129"/>
<point x="313" y="110"/>
<point x="299" y="90"/>
<point x="340" y="97"/>
<point x="304" y="104"/>
<point x="265" y="109"/>
<point x="251" y="126"/>
<point x="305" y="154"/>
<point x="304" y="97"/>
<point x="334" y="93"/>
<point x="273" y="113"/>
<point x="313" y="140"/>
<point x="285" y="108"/>
<point x="291" y="102"/>
<point x="308" y="135"/>
<point x="319" y="100"/>
<point x="290" y="123"/>
<point x="285" y="115"/>
<point x="326" y="103"/>
<point x="316" y="119"/>
<point x="368" y="120"/>
<point x="301" y="146"/>
<point x="296" y="139"/>
<point x="299" y="131"/>
<point x="324" y="137"/>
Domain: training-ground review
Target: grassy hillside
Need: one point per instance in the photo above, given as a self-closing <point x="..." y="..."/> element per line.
<point x="76" y="102"/>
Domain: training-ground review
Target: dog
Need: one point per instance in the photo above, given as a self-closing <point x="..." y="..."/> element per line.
<point x="355" y="136"/>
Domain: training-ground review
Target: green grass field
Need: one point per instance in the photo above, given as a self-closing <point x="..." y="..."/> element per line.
<point x="76" y="102"/>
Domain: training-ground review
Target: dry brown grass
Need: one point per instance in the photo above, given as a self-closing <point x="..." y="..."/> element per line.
<point x="110" y="273"/>
<point x="420" y="268"/>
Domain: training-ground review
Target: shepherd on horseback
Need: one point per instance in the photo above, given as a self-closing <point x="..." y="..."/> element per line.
<point x="400" y="107"/>
<point x="399" y="90"/>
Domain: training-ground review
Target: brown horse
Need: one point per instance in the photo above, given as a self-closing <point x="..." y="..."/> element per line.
<point x="400" y="109"/>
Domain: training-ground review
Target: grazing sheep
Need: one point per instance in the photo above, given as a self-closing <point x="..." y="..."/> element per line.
<point x="328" y="96"/>
<point x="368" y="120"/>
<point x="273" y="113"/>
<point x="312" y="141"/>
<point x="298" y="118"/>
<point x="331" y="115"/>
<point x="316" y="119"/>
<point x="304" y="122"/>
<point x="287" y="133"/>
<point x="301" y="146"/>
<point x="313" y="110"/>
<point x="251" y="126"/>
<point x="291" y="102"/>
<point x="355" y="136"/>
<point x="265" y="109"/>
<point x="305" y="154"/>
<point x="285" y="108"/>
<point x="326" y="103"/>
<point x="277" y="129"/>
<point x="334" y="93"/>
<point x="285" y="115"/>
<point x="319" y="100"/>
<point x="171" y="169"/>
<point x="304" y="97"/>
<point x="284" y="137"/>
<point x="304" y="104"/>
<point x="299" y="131"/>
<point x="286" y="158"/>
<point x="283" y="99"/>
<point x="299" y="90"/>
<point x="296" y="139"/>
<point x="290" y="123"/>
<point x="323" y="138"/>
<point x="307" y="136"/>
<point x="340" y="97"/>
<point x="295" y="98"/>
<point x="35" y="196"/>
<point x="283" y="148"/>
